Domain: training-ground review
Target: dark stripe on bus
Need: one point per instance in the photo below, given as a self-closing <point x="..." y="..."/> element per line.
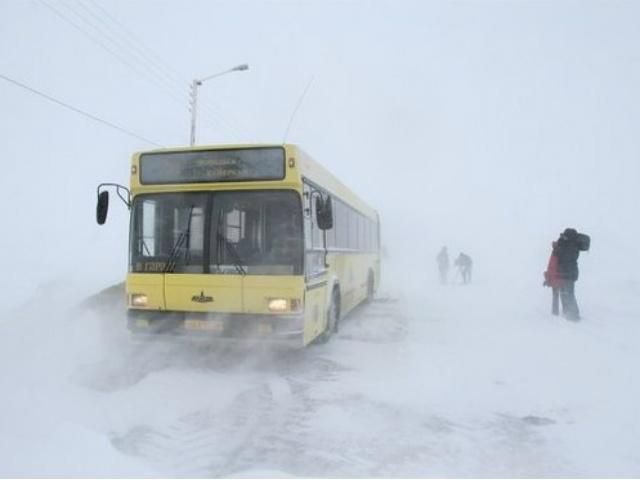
<point x="313" y="286"/>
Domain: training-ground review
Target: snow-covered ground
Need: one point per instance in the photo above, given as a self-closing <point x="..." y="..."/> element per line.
<point x="429" y="381"/>
<point x="486" y="126"/>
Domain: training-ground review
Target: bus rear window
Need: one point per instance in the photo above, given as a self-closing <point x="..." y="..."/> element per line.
<point x="212" y="166"/>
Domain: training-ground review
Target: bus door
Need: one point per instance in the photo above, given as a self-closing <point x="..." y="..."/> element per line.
<point x="255" y="248"/>
<point x="316" y="272"/>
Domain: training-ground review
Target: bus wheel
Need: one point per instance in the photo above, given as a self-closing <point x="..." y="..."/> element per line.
<point x="370" y="288"/>
<point x="333" y="318"/>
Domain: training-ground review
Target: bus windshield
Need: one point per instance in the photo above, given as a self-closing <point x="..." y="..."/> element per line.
<point x="246" y="232"/>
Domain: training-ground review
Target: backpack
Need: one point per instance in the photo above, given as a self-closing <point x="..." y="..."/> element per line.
<point x="584" y="242"/>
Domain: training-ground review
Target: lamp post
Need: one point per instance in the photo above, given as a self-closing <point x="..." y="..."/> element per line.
<point x="194" y="95"/>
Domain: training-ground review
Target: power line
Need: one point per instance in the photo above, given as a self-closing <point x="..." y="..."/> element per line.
<point x="136" y="47"/>
<point x="77" y="110"/>
<point x="133" y="39"/>
<point x="122" y="58"/>
<point x="134" y="58"/>
<point x="124" y="49"/>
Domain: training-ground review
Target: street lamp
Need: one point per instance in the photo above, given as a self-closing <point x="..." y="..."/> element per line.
<point x="194" y="95"/>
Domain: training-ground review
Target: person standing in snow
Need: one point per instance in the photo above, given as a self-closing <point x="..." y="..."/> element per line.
<point x="567" y="250"/>
<point x="464" y="264"/>
<point x="443" y="264"/>
<point x="553" y="280"/>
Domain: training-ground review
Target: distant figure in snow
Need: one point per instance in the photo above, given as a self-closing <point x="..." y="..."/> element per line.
<point x="567" y="250"/>
<point x="464" y="264"/>
<point x="443" y="264"/>
<point x="552" y="279"/>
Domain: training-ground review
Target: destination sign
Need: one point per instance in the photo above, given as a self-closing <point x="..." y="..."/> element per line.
<point x="212" y="166"/>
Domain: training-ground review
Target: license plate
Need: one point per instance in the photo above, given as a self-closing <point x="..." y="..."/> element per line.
<point x="207" y="325"/>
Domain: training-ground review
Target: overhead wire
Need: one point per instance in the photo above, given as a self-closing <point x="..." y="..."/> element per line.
<point x="121" y="39"/>
<point x="122" y="47"/>
<point x="121" y="58"/>
<point x="135" y="41"/>
<point x="148" y="67"/>
<point x="78" y="110"/>
<point x="99" y="42"/>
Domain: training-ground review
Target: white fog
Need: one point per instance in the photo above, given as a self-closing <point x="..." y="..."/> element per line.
<point x="485" y="126"/>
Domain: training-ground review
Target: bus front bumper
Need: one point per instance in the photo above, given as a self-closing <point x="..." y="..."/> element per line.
<point x="282" y="329"/>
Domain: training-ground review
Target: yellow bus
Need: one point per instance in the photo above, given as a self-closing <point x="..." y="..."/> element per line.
<point x="249" y="242"/>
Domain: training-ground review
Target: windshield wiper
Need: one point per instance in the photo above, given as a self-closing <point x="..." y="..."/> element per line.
<point x="233" y="253"/>
<point x="142" y="248"/>
<point x="237" y="261"/>
<point x="183" y="238"/>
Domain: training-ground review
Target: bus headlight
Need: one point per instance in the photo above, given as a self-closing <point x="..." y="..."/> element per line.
<point x="278" y="305"/>
<point x="138" y="300"/>
<point x="281" y="305"/>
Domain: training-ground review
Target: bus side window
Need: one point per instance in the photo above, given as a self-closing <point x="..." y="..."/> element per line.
<point x="313" y="257"/>
<point x="316" y="232"/>
<point x="331" y="233"/>
<point x="336" y="224"/>
<point x="308" y="222"/>
<point x="368" y="242"/>
<point x="360" y="237"/>
<point x="353" y="229"/>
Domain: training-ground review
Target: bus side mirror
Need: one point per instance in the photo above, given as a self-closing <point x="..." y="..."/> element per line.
<point x="102" y="207"/>
<point x="324" y="213"/>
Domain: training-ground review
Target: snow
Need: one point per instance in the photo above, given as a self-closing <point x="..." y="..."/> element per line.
<point x="488" y="127"/>
<point x="429" y="381"/>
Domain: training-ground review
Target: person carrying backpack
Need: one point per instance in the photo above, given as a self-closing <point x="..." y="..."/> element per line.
<point x="464" y="264"/>
<point x="568" y="248"/>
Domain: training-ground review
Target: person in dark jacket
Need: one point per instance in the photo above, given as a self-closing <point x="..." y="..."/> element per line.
<point x="553" y="280"/>
<point x="567" y="251"/>
<point x="464" y="264"/>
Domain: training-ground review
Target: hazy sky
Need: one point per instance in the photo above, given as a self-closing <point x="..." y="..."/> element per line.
<point x="488" y="126"/>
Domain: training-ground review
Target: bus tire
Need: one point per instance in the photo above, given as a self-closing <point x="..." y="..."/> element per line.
<point x="333" y="318"/>
<point x="371" y="287"/>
